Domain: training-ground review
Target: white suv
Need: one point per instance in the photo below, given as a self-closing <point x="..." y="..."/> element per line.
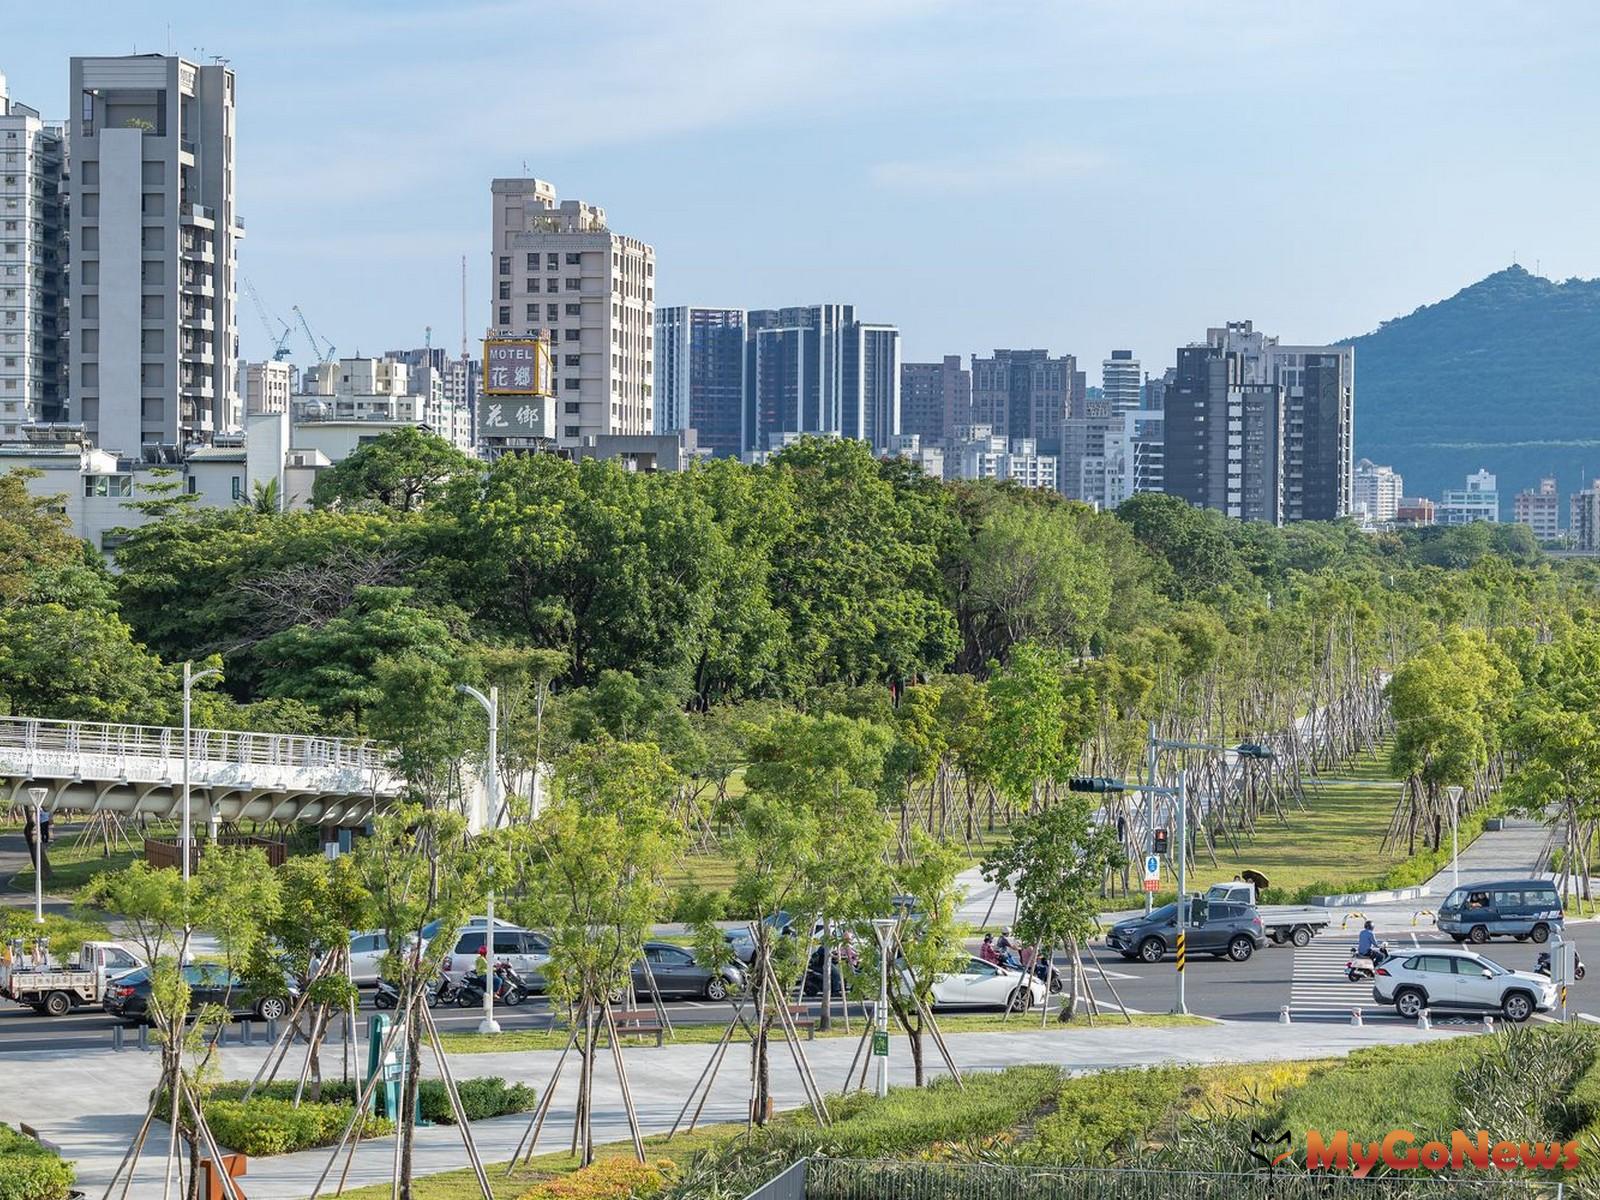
<point x="1459" y="979"/>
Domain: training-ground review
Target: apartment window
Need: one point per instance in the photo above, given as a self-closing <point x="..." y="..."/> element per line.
<point x="153" y="237"/>
<point x="89" y="341"/>
<point x="571" y="385"/>
<point x="533" y="312"/>
<point x="552" y="312"/>
<point x="573" y="284"/>
<point x="154" y="204"/>
<point x="154" y="308"/>
<point x="155" y="272"/>
<point x="574" y="360"/>
<point x="530" y="285"/>
<point x="89" y="173"/>
<point x="89" y="205"/>
<point x="570" y="431"/>
<point x="552" y="261"/>
<point x="574" y="310"/>
<point x="238" y="487"/>
<point x="91" y="375"/>
<point x="505" y="264"/>
<point x="573" y="335"/>
<point x="505" y="289"/>
<point x="155" y="173"/>
<point x="573" y="258"/>
<point x="152" y="375"/>
<point x="533" y="262"/>
<point x="91" y="274"/>
<point x="505" y="314"/>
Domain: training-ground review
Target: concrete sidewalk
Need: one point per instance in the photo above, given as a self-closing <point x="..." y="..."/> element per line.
<point x="91" y="1104"/>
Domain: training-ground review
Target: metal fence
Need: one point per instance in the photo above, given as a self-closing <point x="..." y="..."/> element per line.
<point x="847" y="1179"/>
<point x="124" y="742"/>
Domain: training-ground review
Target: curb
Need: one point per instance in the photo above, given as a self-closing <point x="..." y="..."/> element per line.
<point x="1345" y="899"/>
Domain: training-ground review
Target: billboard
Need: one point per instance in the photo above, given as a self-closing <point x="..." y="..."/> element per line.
<point x="515" y="367"/>
<point x="514" y="401"/>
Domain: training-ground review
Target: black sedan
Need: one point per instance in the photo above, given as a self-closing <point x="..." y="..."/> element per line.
<point x="128" y="996"/>
<point x="677" y="973"/>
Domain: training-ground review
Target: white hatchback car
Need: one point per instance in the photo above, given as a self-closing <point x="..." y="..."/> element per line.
<point x="1459" y="979"/>
<point x="981" y="984"/>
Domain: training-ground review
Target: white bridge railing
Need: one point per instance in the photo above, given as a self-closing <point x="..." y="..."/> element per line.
<point x="130" y="743"/>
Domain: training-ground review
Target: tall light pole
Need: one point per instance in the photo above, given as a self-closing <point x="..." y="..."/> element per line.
<point x="190" y="678"/>
<point x="1454" y="792"/>
<point x="491" y="705"/>
<point x="884" y="928"/>
<point x="37" y="795"/>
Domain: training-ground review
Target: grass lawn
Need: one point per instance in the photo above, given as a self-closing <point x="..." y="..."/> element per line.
<point x="1337" y="838"/>
<point x="72" y="867"/>
<point x="694" y="1035"/>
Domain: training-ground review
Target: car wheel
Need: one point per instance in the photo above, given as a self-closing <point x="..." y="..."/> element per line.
<point x="467" y="998"/>
<point x="1241" y="948"/>
<point x="1478" y="935"/>
<point x="58" y="1004"/>
<point x="1409" y="1003"/>
<point x="716" y="988"/>
<point x="1301" y="936"/>
<point x="1540" y="933"/>
<point x="271" y="1008"/>
<point x="1521" y="937"/>
<point x="1021" y="1000"/>
<point x="616" y="995"/>
<point x="1458" y="937"/>
<point x="1517" y="1006"/>
<point x="1129" y="955"/>
<point x="1151" y="950"/>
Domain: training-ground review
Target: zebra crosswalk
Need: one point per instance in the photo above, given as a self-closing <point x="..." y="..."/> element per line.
<point x="1318" y="982"/>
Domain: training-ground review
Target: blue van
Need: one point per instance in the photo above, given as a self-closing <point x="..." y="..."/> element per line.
<point x="1519" y="908"/>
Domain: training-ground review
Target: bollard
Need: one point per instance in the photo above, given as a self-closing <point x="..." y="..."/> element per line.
<point x="272" y="1031"/>
<point x="1355" y="1016"/>
<point x="222" y="1033"/>
<point x="1422" y="1020"/>
<point x="116" y="1037"/>
<point x="144" y="1036"/>
<point x="1283" y="1015"/>
<point x="247" y="1031"/>
<point x="1488" y="1023"/>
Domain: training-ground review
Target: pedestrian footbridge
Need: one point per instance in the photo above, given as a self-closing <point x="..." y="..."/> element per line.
<point x="137" y="770"/>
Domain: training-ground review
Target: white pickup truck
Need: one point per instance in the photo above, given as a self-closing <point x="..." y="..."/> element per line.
<point x="57" y="988"/>
<point x="1297" y="923"/>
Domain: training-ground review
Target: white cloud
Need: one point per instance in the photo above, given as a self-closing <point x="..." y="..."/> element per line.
<point x="1021" y="167"/>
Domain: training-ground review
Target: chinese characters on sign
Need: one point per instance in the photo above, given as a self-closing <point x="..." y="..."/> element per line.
<point x="515" y="395"/>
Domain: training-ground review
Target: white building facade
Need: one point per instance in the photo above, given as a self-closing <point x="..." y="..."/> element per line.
<point x="559" y="272"/>
<point x="1375" y="492"/>
<point x="1478" y="501"/>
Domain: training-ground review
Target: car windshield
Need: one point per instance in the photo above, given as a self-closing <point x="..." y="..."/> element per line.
<point x="1165" y="913"/>
<point x="1456" y="898"/>
<point x="136" y="976"/>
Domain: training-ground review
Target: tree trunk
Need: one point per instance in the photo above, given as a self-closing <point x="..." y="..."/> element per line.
<point x="1069" y="1005"/>
<point x="914" y="1036"/>
<point x="408" y="1101"/>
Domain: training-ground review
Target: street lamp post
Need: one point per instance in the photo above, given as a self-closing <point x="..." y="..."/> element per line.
<point x="190" y="678"/>
<point x="37" y="795"/>
<point x="1454" y="792"/>
<point x="884" y="928"/>
<point x="491" y="706"/>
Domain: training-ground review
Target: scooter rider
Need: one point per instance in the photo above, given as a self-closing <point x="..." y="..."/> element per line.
<point x="1367" y="941"/>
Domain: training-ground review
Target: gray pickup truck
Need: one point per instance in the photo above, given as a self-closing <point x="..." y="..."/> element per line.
<point x="1225" y="929"/>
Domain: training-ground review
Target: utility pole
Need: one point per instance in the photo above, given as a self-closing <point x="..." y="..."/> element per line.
<point x="1183" y="893"/>
<point x="1150" y="814"/>
<point x="491" y="705"/>
<point x="190" y="678"/>
<point x="37" y="795"/>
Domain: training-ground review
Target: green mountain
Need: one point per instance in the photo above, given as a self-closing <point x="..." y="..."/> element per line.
<point x="1503" y="375"/>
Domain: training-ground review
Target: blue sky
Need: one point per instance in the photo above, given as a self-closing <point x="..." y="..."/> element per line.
<point x="1080" y="176"/>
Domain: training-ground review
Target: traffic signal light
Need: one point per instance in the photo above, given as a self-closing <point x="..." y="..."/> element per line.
<point x="1093" y="783"/>
<point x="1158" y="840"/>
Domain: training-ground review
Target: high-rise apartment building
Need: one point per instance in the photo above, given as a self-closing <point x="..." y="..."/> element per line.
<point x="817" y="369"/>
<point x="1478" y="501"/>
<point x="267" y="387"/>
<point x="1261" y="430"/>
<point x="1376" y="492"/>
<point x="1121" y="381"/>
<point x="1585" y="525"/>
<point x="1539" y="509"/>
<point x="1027" y="394"/>
<point x="33" y="265"/>
<point x="558" y="271"/>
<point x="700" y="375"/>
<point x="154" y="235"/>
<point x="935" y="398"/>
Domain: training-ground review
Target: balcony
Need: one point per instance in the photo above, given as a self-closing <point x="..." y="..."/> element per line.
<point x="198" y="318"/>
<point x="197" y="214"/>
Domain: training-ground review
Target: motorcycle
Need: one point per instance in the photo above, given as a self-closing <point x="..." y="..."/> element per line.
<point x="509" y="988"/>
<point x="1365" y="966"/>
<point x="1543" y="965"/>
<point x="439" y="991"/>
<point x="1043" y="971"/>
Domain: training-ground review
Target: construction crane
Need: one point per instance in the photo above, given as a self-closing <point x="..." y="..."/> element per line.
<point x="280" y="341"/>
<point x="321" y="355"/>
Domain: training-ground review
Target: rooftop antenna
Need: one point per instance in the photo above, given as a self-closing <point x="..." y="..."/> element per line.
<point x="463" y="307"/>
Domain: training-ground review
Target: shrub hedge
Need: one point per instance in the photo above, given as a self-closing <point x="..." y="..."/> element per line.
<point x="618" y="1178"/>
<point x="30" y="1172"/>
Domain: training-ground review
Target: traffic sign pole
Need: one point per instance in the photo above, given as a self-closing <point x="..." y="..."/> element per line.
<point x="1183" y="880"/>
